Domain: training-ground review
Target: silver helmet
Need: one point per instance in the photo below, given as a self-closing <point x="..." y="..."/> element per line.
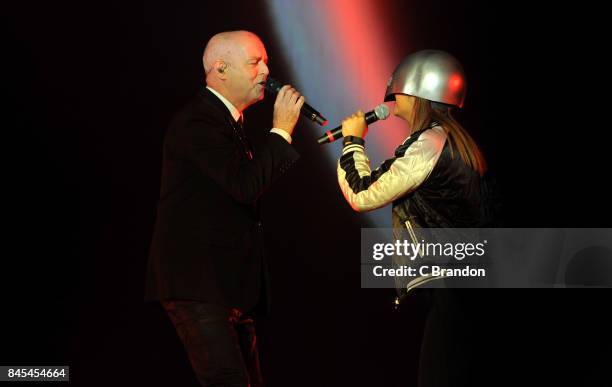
<point x="430" y="74"/>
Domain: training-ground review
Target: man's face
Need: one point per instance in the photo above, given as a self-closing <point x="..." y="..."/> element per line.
<point x="248" y="72"/>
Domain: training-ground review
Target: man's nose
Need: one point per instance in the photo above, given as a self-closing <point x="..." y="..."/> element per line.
<point x="264" y="69"/>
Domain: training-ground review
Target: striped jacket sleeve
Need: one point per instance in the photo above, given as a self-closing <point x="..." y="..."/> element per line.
<point x="367" y="190"/>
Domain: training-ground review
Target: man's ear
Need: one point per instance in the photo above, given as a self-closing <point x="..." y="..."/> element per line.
<point x="220" y="68"/>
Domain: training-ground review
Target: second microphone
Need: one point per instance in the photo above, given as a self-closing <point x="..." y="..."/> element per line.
<point x="380" y="112"/>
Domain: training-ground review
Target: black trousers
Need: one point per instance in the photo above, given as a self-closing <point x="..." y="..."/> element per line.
<point x="220" y="343"/>
<point x="446" y="357"/>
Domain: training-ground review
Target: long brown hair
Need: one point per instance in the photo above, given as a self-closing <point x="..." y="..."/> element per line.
<point x="471" y="155"/>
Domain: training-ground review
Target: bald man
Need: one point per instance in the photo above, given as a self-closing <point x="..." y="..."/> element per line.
<point x="206" y="261"/>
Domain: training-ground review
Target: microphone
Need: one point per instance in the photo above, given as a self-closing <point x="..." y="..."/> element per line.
<point x="273" y="86"/>
<point x="380" y="112"/>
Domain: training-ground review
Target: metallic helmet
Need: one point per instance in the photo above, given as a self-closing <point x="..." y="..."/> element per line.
<point x="430" y="74"/>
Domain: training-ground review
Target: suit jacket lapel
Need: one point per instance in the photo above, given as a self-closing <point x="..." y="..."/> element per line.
<point x="237" y="130"/>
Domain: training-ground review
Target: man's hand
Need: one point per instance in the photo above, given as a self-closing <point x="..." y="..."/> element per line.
<point x="287" y="109"/>
<point x="355" y="125"/>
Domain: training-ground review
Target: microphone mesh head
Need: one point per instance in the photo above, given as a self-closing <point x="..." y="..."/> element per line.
<point x="272" y="85"/>
<point x="381" y="111"/>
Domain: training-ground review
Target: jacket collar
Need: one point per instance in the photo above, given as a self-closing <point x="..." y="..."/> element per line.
<point x="210" y="97"/>
<point x="235" y="113"/>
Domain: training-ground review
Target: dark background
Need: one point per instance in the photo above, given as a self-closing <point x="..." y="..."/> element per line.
<point x="93" y="85"/>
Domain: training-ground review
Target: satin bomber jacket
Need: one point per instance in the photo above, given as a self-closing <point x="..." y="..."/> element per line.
<point x="427" y="183"/>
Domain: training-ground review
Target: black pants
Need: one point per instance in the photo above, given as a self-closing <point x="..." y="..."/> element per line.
<point x="219" y="341"/>
<point x="446" y="357"/>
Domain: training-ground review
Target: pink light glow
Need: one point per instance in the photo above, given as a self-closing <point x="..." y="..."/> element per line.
<point x="359" y="34"/>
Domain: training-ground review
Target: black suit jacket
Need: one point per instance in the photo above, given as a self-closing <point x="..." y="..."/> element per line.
<point x="207" y="243"/>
